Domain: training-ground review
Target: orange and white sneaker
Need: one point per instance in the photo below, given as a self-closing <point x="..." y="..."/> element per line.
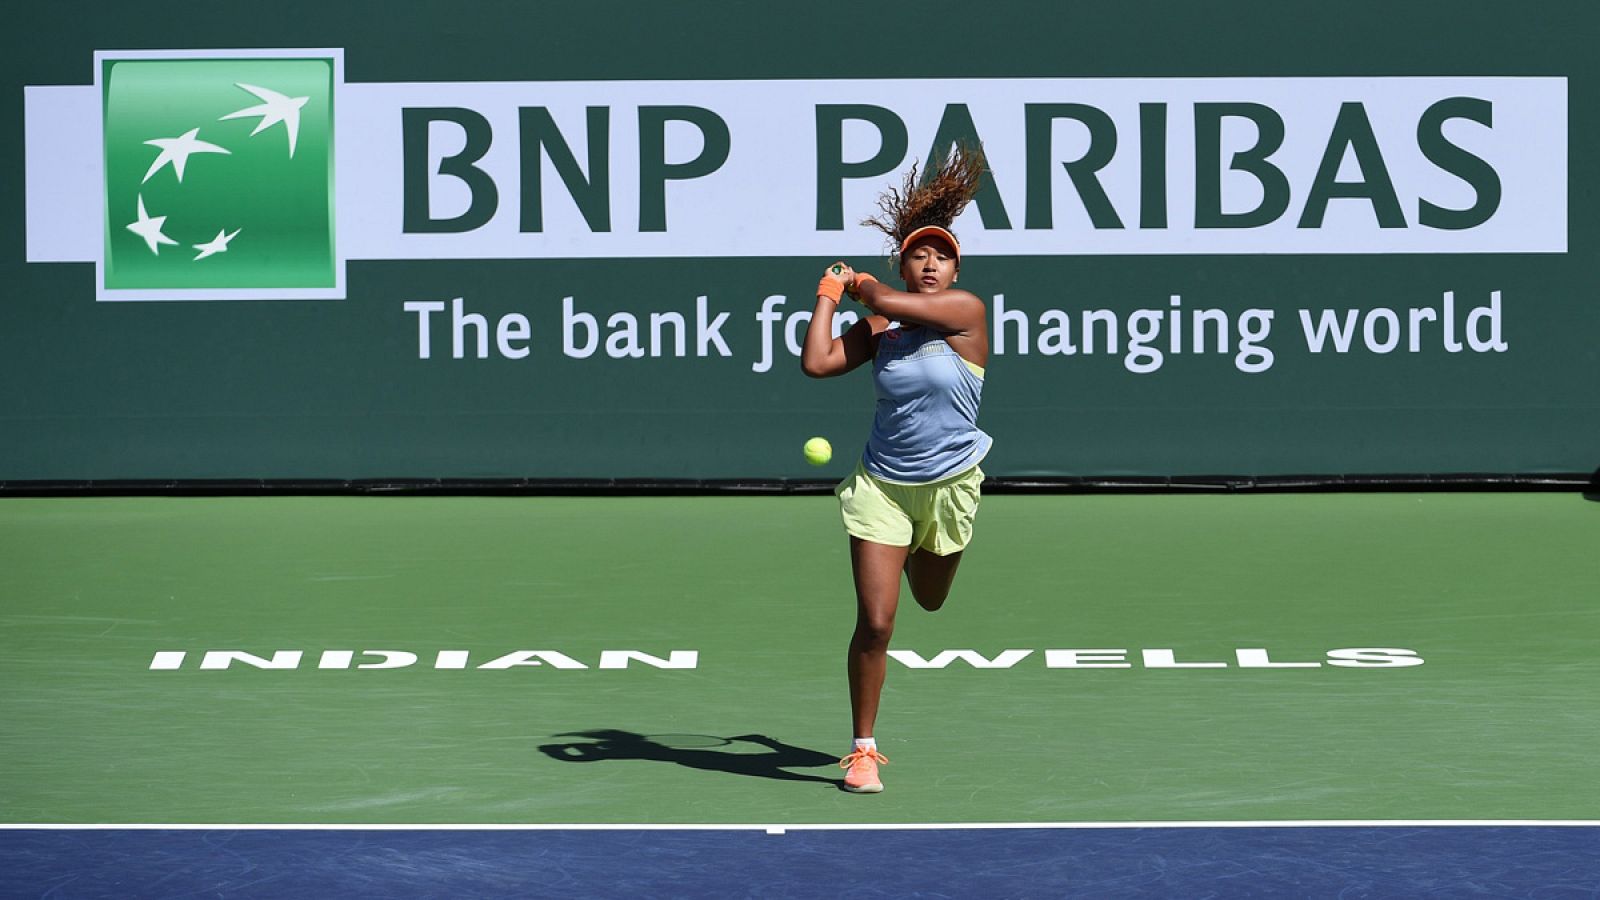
<point x="861" y="775"/>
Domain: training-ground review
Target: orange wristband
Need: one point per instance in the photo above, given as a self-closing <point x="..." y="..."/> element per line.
<point x="832" y="288"/>
<point x="861" y="279"/>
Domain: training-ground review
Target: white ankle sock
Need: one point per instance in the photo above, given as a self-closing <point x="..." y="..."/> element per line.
<point x="865" y="743"/>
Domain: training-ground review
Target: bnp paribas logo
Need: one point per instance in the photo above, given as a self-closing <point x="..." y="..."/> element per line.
<point x="219" y="176"/>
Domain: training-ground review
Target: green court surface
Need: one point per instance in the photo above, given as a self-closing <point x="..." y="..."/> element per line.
<point x="1499" y="594"/>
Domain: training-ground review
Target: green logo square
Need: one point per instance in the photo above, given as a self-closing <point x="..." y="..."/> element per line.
<point x="219" y="176"/>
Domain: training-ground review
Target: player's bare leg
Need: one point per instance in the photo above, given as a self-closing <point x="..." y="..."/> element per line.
<point x="876" y="568"/>
<point x="930" y="576"/>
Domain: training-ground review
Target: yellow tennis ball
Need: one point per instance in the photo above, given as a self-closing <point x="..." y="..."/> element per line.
<point x="818" y="451"/>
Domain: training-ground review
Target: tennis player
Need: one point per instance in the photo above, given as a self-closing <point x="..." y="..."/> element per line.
<point x="909" y="505"/>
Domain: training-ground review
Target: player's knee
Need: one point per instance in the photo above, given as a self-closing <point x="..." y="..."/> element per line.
<point x="931" y="599"/>
<point x="930" y="584"/>
<point x="873" y="631"/>
<point x="930" y="593"/>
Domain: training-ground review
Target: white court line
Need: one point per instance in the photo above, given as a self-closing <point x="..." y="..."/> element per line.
<point x="781" y="829"/>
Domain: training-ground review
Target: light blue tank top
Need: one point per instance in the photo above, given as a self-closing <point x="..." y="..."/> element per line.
<point x="926" y="425"/>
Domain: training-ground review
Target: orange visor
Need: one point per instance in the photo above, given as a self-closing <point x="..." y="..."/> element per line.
<point x="932" y="229"/>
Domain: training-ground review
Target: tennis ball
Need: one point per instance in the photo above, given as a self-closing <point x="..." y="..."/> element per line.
<point x="818" y="451"/>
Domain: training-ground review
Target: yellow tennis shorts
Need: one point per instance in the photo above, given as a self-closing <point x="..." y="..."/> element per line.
<point x="936" y="516"/>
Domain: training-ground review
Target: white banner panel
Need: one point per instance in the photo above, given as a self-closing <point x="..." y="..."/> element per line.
<point x="1497" y="158"/>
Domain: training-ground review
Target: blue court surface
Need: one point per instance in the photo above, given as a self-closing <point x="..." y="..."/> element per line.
<point x="1202" y="861"/>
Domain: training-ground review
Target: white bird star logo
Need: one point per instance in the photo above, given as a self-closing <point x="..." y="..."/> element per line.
<point x="218" y="244"/>
<point x="149" y="228"/>
<point x="276" y="108"/>
<point x="177" y="150"/>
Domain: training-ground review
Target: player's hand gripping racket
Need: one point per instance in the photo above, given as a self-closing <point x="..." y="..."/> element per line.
<point x="838" y="269"/>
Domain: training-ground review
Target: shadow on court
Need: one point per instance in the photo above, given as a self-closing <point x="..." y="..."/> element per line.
<point x="696" y="751"/>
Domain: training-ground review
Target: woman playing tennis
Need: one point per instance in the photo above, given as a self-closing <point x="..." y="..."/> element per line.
<point x="910" y="503"/>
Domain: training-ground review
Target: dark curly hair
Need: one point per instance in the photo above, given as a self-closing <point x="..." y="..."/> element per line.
<point x="936" y="201"/>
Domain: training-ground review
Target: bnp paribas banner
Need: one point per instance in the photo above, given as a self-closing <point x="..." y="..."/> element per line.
<point x="243" y="263"/>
